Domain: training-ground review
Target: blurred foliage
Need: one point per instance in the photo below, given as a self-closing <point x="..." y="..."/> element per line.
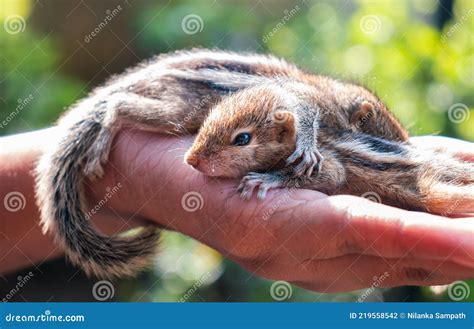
<point x="393" y="47"/>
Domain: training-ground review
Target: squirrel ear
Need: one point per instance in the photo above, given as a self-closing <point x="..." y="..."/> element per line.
<point x="286" y="121"/>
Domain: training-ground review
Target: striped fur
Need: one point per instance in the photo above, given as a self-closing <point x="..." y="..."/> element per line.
<point x="173" y="93"/>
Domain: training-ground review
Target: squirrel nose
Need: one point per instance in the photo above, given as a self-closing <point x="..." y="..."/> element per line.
<point x="192" y="160"/>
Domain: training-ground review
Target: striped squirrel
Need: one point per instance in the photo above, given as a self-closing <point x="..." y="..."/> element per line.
<point x="250" y="134"/>
<point x="172" y="94"/>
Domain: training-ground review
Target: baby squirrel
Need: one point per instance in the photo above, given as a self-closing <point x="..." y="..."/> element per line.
<point x="252" y="133"/>
<point x="173" y="94"/>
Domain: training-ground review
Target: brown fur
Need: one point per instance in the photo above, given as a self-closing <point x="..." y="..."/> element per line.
<point x="354" y="162"/>
<point x="173" y="94"/>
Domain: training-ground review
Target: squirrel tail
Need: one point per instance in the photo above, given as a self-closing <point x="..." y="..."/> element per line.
<point x="448" y="186"/>
<point x="407" y="176"/>
<point x="60" y="197"/>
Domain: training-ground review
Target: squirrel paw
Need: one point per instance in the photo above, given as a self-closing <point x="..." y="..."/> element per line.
<point x="310" y="158"/>
<point x="264" y="182"/>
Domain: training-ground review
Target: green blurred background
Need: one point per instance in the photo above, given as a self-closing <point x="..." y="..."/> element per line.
<point x="418" y="56"/>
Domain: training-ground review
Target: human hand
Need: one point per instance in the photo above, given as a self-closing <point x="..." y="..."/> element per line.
<point x="319" y="242"/>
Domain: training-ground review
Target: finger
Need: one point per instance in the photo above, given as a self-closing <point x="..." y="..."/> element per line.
<point x="361" y="271"/>
<point x="459" y="148"/>
<point x="339" y="225"/>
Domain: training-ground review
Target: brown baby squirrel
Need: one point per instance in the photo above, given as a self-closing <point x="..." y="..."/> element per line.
<point x="273" y="112"/>
<point x="251" y="133"/>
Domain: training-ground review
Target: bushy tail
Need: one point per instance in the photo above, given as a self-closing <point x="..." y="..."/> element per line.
<point x="407" y="176"/>
<point x="447" y="184"/>
<point x="60" y="198"/>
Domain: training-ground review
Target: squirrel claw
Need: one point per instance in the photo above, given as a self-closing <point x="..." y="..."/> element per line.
<point x="310" y="158"/>
<point x="262" y="181"/>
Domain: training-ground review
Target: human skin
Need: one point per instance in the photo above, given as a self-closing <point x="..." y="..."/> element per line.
<point x="319" y="242"/>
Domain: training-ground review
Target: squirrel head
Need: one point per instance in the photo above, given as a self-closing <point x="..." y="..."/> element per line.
<point x="252" y="130"/>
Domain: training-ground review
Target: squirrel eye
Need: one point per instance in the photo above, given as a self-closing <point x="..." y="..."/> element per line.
<point x="242" y="139"/>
